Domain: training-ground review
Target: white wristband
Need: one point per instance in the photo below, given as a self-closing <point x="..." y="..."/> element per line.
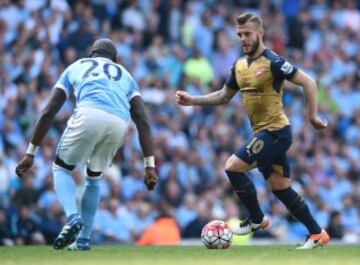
<point x="32" y="149"/>
<point x="149" y="161"/>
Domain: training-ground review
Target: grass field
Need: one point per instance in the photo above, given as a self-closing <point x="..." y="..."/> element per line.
<point x="264" y="255"/>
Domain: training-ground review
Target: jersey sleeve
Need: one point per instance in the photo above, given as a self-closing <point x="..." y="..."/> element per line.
<point x="282" y="69"/>
<point x="133" y="90"/>
<point x="64" y="82"/>
<point x="231" y="81"/>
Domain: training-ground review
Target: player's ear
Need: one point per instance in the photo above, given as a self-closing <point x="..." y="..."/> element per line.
<point x="261" y="31"/>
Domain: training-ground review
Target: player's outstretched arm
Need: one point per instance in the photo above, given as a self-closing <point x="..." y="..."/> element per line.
<point x="42" y="126"/>
<point x="220" y="97"/>
<point x="140" y="118"/>
<point x="310" y="91"/>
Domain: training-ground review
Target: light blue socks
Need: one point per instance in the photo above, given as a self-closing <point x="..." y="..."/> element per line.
<point x="65" y="189"/>
<point x="89" y="204"/>
<point x="66" y="192"/>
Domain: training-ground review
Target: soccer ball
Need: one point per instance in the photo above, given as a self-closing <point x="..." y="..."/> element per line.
<point x="216" y="235"/>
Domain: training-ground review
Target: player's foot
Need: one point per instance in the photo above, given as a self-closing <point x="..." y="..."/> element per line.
<point x="248" y="227"/>
<point x="81" y="244"/>
<point x="69" y="232"/>
<point x="316" y="240"/>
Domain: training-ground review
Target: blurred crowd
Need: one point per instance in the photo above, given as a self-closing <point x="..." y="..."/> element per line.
<point x="190" y="45"/>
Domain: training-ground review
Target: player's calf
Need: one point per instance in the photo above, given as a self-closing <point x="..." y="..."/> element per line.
<point x="245" y="190"/>
<point x="298" y="208"/>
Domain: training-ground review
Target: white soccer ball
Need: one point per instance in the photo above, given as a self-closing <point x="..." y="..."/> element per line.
<point x="216" y="235"/>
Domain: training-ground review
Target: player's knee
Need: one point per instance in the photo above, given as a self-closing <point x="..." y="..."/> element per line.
<point x="278" y="186"/>
<point x="277" y="182"/>
<point x="234" y="163"/>
<point x="61" y="163"/>
<point x="93" y="174"/>
<point x="230" y="165"/>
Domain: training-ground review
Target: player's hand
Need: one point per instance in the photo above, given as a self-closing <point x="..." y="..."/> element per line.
<point x="183" y="98"/>
<point x="318" y="123"/>
<point x="24" y="165"/>
<point x="150" y="178"/>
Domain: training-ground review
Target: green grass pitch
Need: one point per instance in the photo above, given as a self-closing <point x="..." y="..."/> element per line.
<point x="182" y="255"/>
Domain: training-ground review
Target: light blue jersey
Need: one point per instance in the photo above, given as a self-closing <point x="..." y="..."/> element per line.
<point x="100" y="83"/>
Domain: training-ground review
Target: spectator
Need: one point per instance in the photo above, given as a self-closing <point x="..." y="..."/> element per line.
<point x="198" y="67"/>
<point x="5" y="235"/>
<point x="163" y="232"/>
<point x="335" y="229"/>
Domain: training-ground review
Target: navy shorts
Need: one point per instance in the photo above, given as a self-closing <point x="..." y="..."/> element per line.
<point x="267" y="151"/>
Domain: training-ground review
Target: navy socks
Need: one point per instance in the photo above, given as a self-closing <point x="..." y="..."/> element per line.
<point x="298" y="208"/>
<point x="246" y="192"/>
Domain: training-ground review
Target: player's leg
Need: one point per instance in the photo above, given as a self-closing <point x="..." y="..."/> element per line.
<point x="73" y="148"/>
<point x="99" y="159"/>
<point x="64" y="186"/>
<point x="65" y="189"/>
<point x="236" y="169"/>
<point x="277" y="175"/>
<point x="262" y="148"/>
<point x="281" y="188"/>
<point x="245" y="190"/>
<point x="89" y="203"/>
<point x="237" y="165"/>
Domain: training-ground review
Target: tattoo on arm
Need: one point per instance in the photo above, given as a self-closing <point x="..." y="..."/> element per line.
<point x="220" y="97"/>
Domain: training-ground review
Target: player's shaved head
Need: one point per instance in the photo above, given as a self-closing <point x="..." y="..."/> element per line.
<point x="104" y="48"/>
<point x="249" y="17"/>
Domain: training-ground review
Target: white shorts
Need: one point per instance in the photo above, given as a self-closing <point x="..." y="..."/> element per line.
<point x="92" y="136"/>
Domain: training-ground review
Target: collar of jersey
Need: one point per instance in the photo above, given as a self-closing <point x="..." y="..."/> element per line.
<point x="250" y="60"/>
<point x="104" y="58"/>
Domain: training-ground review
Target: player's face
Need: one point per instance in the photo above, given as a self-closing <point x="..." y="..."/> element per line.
<point x="250" y="36"/>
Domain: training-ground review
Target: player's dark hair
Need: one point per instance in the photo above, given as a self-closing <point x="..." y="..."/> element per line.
<point x="104" y="48"/>
<point x="249" y="17"/>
